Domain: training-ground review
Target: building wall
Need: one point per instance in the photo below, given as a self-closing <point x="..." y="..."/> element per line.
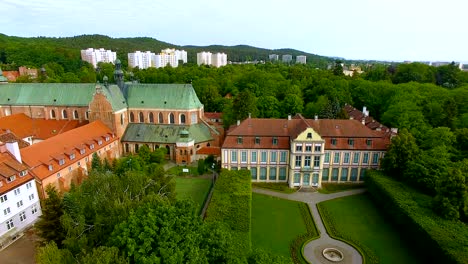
<point x="165" y="116"/>
<point x="46" y="112"/>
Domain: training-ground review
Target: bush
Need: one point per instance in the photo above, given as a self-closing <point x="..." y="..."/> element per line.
<point x="440" y="240"/>
<point x="312" y="233"/>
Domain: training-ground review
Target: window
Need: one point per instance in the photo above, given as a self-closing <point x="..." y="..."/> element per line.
<point x="33" y="209"/>
<point x="282" y="173"/>
<point x="362" y="175"/>
<point x="306" y="179"/>
<point x="132" y="117"/>
<point x="327" y="158"/>
<point x="72" y="156"/>
<point x="257" y="140"/>
<point x="121" y="119"/>
<point x="346" y="158"/>
<point x="69" y="169"/>
<point x="336" y="158"/>
<point x="52" y="113"/>
<point x="82" y="151"/>
<point x="356" y="158"/>
<point x="309" y="135"/>
<point x="325" y="173"/>
<point x="171" y="118"/>
<point x="20" y="203"/>
<point x="31" y="197"/>
<point x="86" y="115"/>
<point x="275" y="141"/>
<point x="307" y="161"/>
<point x="316" y="161"/>
<point x="160" y="118"/>
<point x="334" y="174"/>
<point x="58" y="175"/>
<point x="23" y="173"/>
<point x="3" y="198"/>
<point x="75" y="115"/>
<point x="273" y="157"/>
<point x="333" y="141"/>
<point x="298" y="161"/>
<point x="299" y="147"/>
<point x="141" y="118"/>
<point x="297" y="178"/>
<point x="272" y="176"/>
<point x="243" y="156"/>
<point x="151" y="117"/>
<point x="369" y="142"/>
<point x="182" y="119"/>
<point x="64" y="114"/>
<point x="22" y="216"/>
<point x="283" y="155"/>
<point x="10" y="224"/>
<point x="51" y="168"/>
<point x="254" y="157"/>
<point x="61" y="161"/>
<point x="234" y="168"/>
<point x="344" y="174"/>
<point x="253" y="171"/>
<point x="91" y="146"/>
<point x="308" y="147"/>
<point x="375" y="158"/>
<point x="263" y="173"/>
<point x="233" y="155"/>
<point x="99" y="142"/>
<point x="365" y="158"/>
<point x="17" y="191"/>
<point x="263" y="158"/>
<point x="318" y="148"/>
<point x="354" y="173"/>
<point x="11" y="178"/>
<point x="6" y="211"/>
<point x="86" y="159"/>
<point x="107" y="138"/>
<point x="239" y="140"/>
<point x="29" y="185"/>
<point x="351" y="142"/>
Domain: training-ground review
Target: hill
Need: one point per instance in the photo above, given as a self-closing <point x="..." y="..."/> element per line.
<point x="35" y="52"/>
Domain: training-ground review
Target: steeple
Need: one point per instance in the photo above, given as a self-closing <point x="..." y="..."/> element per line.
<point x="118" y="74"/>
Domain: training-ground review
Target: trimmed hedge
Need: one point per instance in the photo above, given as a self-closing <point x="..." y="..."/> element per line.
<point x="297" y="246"/>
<point x="231" y="204"/>
<point x="440" y="240"/>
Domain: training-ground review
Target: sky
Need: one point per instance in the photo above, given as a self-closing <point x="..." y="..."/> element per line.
<point x="393" y="30"/>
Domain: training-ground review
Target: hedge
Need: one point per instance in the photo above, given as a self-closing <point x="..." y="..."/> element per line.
<point x="297" y="246"/>
<point x="436" y="239"/>
<point x="231" y="204"/>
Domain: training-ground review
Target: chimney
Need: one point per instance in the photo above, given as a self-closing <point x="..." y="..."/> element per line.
<point x="250" y="115"/>
<point x="13" y="148"/>
<point x="289" y="117"/>
<point x="316" y="117"/>
<point x="2" y="147"/>
<point x="363" y="121"/>
<point x="364" y="111"/>
<point x="238" y="122"/>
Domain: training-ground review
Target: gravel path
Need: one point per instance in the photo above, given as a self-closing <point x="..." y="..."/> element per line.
<point x="313" y="249"/>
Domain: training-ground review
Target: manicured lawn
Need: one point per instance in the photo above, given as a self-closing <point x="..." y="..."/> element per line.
<point x="356" y="218"/>
<point x="277" y="187"/>
<point x="339" y="187"/>
<point x="275" y="223"/>
<point x="193" y="188"/>
<point x="177" y="171"/>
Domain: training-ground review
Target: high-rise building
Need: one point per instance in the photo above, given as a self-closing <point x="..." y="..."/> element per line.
<point x="142" y="60"/>
<point x="204" y="58"/>
<point x="273" y="57"/>
<point x="169" y="56"/>
<point x="287" y="58"/>
<point x="94" y="56"/>
<point x="301" y="59"/>
<point x="218" y="59"/>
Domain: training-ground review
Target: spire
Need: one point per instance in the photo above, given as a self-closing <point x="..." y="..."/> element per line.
<point x="118" y="74"/>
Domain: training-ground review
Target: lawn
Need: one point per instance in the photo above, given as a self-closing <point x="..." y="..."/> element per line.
<point x="355" y="218"/>
<point x="276" y="223"/>
<point x="281" y="187"/>
<point x="193" y="188"/>
<point x="339" y="187"/>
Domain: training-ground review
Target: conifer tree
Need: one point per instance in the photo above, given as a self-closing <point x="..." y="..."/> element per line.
<point x="48" y="226"/>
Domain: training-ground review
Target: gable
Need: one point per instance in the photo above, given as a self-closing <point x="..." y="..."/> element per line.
<point x="304" y="135"/>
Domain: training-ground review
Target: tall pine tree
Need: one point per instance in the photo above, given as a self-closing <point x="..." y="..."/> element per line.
<point x="49" y="227"/>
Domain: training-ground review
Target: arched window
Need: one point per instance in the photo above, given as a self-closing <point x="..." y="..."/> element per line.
<point x="87" y="115"/>
<point x="121" y="119"/>
<point x="161" y="120"/>
<point x="132" y="117"/>
<point x="156" y="147"/>
<point x="150" y="117"/>
<point x="171" y="118"/>
<point x="75" y="114"/>
<point x="52" y="113"/>
<point x="64" y="114"/>
<point x="141" y="117"/>
<point x="182" y="118"/>
<point x="127" y="147"/>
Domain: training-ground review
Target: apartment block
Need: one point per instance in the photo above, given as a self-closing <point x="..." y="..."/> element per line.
<point x="94" y="56"/>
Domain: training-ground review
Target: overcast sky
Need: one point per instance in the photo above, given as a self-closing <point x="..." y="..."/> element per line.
<point x="426" y="30"/>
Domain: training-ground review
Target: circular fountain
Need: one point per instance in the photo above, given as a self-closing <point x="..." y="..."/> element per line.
<point x="332" y="254"/>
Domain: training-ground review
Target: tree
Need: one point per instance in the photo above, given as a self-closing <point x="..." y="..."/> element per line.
<point x="292" y="104"/>
<point x="51" y="254"/>
<point x="201" y="168"/>
<point x="401" y="152"/>
<point x="48" y="226"/>
<point x="244" y="104"/>
<point x="338" y="68"/>
<point x="268" y="107"/>
<point x="96" y="163"/>
<point x="451" y="195"/>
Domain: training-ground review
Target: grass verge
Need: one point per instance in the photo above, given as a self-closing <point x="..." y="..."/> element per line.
<point x="196" y="189"/>
<point x="281" y="187"/>
<point x="339" y="187"/>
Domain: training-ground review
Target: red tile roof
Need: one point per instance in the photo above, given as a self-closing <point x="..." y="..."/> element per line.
<point x="9" y="166"/>
<point x="9" y="136"/>
<point x="50" y="151"/>
<point x="11" y="75"/>
<point x="216" y="151"/>
<point x="24" y="126"/>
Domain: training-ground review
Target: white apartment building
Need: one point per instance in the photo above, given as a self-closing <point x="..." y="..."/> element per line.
<point x="169" y="56"/>
<point x="94" y="56"/>
<point x="301" y="59"/>
<point x="142" y="60"/>
<point x="19" y="200"/>
<point x="219" y="59"/>
<point x="204" y="58"/>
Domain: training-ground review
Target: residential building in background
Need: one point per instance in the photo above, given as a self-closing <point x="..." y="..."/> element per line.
<point x="287" y="58"/>
<point x="218" y="59"/>
<point x="204" y="58"/>
<point x="142" y="60"/>
<point x="19" y="199"/>
<point x="303" y="152"/>
<point x="169" y="57"/>
<point x="94" y="56"/>
<point x="301" y="59"/>
<point x="273" y="57"/>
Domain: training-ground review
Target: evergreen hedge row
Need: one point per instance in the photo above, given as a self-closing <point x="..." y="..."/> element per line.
<point x="231" y="204"/>
<point x="437" y="240"/>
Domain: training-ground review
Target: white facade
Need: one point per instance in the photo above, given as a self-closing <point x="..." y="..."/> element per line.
<point x="204" y="58"/>
<point x="94" y="56"/>
<point x="181" y="55"/>
<point x="219" y="59"/>
<point x="19" y="209"/>
<point x="142" y="60"/>
<point x="301" y="59"/>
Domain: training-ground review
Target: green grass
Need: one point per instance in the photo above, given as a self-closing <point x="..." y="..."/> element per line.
<point x="276" y="223"/>
<point x="339" y="187"/>
<point x="356" y="219"/>
<point x="281" y="187"/>
<point x="177" y="171"/>
<point x="193" y="188"/>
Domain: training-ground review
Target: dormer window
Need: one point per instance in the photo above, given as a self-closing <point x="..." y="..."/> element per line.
<point x="82" y="151"/>
<point x="309" y="135"/>
<point x="351" y="142"/>
<point x="257" y="140"/>
<point x="107" y="138"/>
<point x="61" y="162"/>
<point x="369" y="142"/>
<point x="23" y="173"/>
<point x="99" y="142"/>
<point x="11" y="178"/>
<point x="72" y="156"/>
<point x="275" y="141"/>
<point x="51" y="168"/>
<point x="333" y="141"/>
<point x="91" y="146"/>
<point x="239" y="140"/>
